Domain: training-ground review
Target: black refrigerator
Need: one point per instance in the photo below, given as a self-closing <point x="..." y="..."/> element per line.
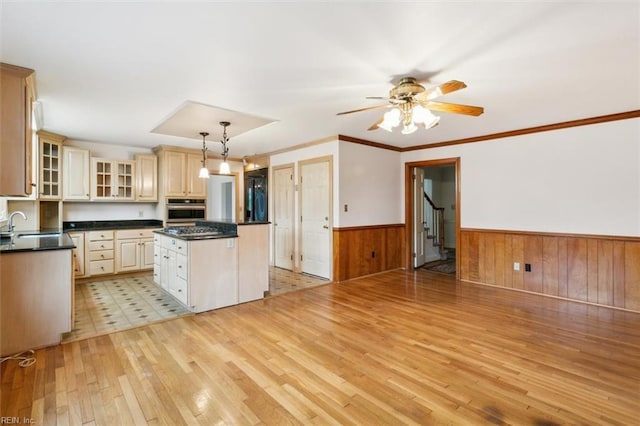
<point x="255" y="196"/>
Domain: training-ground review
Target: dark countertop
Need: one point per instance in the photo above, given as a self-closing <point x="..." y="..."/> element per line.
<point x="47" y="240"/>
<point x="266" y="222"/>
<point x="100" y="225"/>
<point x="194" y="237"/>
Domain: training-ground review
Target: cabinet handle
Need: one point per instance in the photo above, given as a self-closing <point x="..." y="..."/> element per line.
<point x="101" y="245"/>
<point x="102" y="256"/>
<point x="179" y="266"/>
<point x="102" y="267"/>
<point x="179" y="290"/>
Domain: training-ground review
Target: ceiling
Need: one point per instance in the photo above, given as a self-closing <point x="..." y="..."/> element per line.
<point x="112" y="72"/>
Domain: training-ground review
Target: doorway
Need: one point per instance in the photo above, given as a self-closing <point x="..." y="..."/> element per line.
<point x="433" y="214"/>
<point x="221" y="197"/>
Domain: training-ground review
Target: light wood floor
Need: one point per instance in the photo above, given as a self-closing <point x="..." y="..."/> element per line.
<point x="396" y="348"/>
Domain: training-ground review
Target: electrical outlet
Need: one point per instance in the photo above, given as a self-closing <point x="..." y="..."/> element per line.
<point x="230" y="243"/>
<point x="527" y="267"/>
<point x="141" y="213"/>
<point x="516" y="266"/>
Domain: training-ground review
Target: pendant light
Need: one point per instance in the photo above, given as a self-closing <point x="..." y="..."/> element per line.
<point x="204" y="172"/>
<point x="224" y="166"/>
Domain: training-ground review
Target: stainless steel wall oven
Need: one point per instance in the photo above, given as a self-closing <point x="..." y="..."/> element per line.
<point x="181" y="210"/>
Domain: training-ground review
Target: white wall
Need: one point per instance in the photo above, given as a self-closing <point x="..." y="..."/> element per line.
<point x="583" y="180"/>
<point x="369" y="183"/>
<point x="108" y="211"/>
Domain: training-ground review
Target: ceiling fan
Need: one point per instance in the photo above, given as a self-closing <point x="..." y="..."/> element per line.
<point x="411" y="105"/>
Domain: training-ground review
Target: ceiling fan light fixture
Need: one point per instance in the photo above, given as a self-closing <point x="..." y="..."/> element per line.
<point x="425" y="117"/>
<point x="391" y="119"/>
<point x="409" y="128"/>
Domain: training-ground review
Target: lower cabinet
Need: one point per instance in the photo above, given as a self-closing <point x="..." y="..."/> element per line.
<point x="99" y="252"/>
<point x="201" y="274"/>
<point x="78" y="253"/>
<point x="134" y="250"/>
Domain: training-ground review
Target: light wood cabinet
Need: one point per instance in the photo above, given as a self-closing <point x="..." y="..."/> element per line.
<point x="50" y="166"/>
<point x="78" y="253"/>
<point x="134" y="249"/>
<point x="75" y="174"/>
<point x="37" y="299"/>
<point x="99" y="252"/>
<point x="179" y="172"/>
<point x="202" y="274"/>
<point x="146" y="177"/>
<point x="17" y="93"/>
<point x="253" y="255"/>
<point x="112" y="180"/>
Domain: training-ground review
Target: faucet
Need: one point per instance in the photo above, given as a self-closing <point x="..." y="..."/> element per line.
<point x="10" y="224"/>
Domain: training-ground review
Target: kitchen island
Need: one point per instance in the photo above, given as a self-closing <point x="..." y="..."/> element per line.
<point x="213" y="264"/>
<point x="36" y="290"/>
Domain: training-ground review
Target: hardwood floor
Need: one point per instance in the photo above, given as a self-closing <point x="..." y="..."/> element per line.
<point x="395" y="348"/>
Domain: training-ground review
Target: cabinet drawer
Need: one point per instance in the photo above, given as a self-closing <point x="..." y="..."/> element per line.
<point x="156" y="274"/>
<point x="182" y="266"/>
<point x="101" y="255"/>
<point x="181" y="290"/>
<point x="181" y="247"/>
<point x="157" y="254"/>
<point x="101" y="245"/>
<point x="134" y="233"/>
<point x="100" y="235"/>
<point x="98" y="267"/>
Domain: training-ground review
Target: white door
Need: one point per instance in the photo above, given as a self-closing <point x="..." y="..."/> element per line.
<point x="283" y="190"/>
<point x="418" y="217"/>
<point x="315" y="224"/>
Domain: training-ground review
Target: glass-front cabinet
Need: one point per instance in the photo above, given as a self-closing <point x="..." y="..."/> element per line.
<point x="50" y="165"/>
<point x="113" y="180"/>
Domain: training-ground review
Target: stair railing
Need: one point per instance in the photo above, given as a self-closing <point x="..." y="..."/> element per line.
<point x="437" y="223"/>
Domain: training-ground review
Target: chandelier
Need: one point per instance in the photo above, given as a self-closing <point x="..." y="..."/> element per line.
<point x="411" y="116"/>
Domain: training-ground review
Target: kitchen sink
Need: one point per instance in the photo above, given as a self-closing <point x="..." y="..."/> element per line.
<point x="39" y="235"/>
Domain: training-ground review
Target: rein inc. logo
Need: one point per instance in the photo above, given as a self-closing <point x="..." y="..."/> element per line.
<point x="16" y="420"/>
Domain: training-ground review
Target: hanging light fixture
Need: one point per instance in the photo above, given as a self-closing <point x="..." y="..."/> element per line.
<point x="204" y="171"/>
<point x="410" y="116"/>
<point x="224" y="166"/>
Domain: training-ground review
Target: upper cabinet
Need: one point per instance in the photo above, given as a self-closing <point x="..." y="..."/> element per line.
<point x="75" y="176"/>
<point x="147" y="177"/>
<point x="179" y="171"/>
<point x="50" y="165"/>
<point x="112" y="180"/>
<point x="17" y="94"/>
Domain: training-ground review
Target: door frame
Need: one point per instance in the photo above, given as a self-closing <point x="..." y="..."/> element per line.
<point x="239" y="212"/>
<point x="301" y="163"/>
<point x="273" y="188"/>
<point x="408" y="205"/>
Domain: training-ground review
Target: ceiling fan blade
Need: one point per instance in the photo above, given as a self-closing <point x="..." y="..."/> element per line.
<point x="364" y="109"/>
<point x="377" y="97"/>
<point x="442" y="89"/>
<point x="453" y="108"/>
<point x="374" y="126"/>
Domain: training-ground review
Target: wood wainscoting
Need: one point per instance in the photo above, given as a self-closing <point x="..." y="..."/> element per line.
<point x="366" y="250"/>
<point x="603" y="270"/>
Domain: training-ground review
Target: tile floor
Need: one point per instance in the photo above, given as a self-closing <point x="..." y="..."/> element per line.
<point x="107" y="305"/>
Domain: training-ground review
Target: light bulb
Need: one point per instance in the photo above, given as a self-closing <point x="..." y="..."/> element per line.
<point x="409" y="128"/>
<point x="224" y="168"/>
<point x="391" y="119"/>
<point x="204" y="173"/>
